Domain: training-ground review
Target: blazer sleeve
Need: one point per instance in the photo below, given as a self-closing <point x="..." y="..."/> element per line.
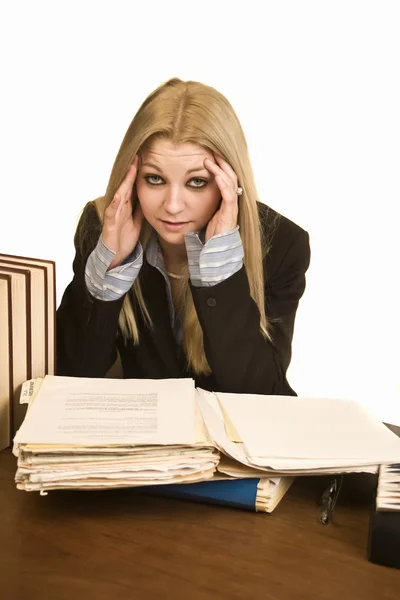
<point x="242" y="360"/>
<point x="86" y="327"/>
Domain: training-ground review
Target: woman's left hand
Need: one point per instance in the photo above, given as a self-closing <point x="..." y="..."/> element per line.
<point x="225" y="219"/>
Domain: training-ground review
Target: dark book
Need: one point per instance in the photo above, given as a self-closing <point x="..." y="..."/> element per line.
<point x="384" y="533"/>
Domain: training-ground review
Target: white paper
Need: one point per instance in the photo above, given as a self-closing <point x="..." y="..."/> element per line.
<point x="213" y="417"/>
<point x="388" y="493"/>
<point x="214" y="420"/>
<point x="94" y="411"/>
<point x="103" y="483"/>
<point x="304" y="432"/>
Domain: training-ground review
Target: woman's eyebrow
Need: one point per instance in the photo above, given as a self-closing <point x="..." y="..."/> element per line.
<point x="149" y="164"/>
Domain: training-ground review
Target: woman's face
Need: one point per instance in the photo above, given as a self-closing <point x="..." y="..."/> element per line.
<point x="176" y="192"/>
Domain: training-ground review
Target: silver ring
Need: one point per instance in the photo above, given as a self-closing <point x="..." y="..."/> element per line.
<point x="239" y="191"/>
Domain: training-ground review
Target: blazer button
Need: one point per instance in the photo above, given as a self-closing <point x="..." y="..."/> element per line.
<point x="211" y="301"/>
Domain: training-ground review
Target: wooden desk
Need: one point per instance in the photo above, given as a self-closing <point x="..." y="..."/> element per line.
<point x="117" y="544"/>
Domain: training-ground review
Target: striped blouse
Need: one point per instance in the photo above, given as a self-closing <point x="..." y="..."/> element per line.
<point x="209" y="263"/>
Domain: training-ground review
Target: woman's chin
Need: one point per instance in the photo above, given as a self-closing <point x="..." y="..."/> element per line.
<point x="174" y="239"/>
<point x="174" y="233"/>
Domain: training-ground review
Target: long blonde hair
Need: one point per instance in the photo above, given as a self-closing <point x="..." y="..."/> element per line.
<point x="189" y="111"/>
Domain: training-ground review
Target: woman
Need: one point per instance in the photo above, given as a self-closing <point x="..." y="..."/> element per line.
<point x="178" y="268"/>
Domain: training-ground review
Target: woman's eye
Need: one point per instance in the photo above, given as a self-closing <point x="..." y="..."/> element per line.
<point x="200" y="182"/>
<point x="148" y="177"/>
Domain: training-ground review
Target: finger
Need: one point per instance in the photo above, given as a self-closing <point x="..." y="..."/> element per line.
<point x="113" y="206"/>
<point x="125" y="206"/>
<point x="224" y="180"/>
<point x="217" y="170"/>
<point x="118" y="209"/>
<point x="231" y="173"/>
<point x="224" y="165"/>
<point x="127" y="183"/>
<point x="229" y="196"/>
<point x="229" y="207"/>
<point x="226" y="168"/>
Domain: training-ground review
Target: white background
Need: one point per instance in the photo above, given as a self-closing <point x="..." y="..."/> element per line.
<point x="316" y="87"/>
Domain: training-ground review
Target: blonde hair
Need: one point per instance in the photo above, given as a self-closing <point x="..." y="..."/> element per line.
<point x="189" y="111"/>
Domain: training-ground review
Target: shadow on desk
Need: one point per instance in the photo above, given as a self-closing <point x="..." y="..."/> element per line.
<point x="123" y="544"/>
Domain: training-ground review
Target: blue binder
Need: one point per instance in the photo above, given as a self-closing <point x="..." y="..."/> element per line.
<point x="237" y="493"/>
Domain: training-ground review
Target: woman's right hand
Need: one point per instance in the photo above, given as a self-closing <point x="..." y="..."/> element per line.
<point x="121" y="228"/>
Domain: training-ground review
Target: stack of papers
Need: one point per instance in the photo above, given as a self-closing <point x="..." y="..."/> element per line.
<point x="98" y="433"/>
<point x="295" y="436"/>
<point x="270" y="492"/>
<point x="388" y="492"/>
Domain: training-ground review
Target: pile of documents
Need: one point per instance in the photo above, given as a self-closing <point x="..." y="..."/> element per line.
<point x="388" y="492"/>
<point x="99" y="433"/>
<point x="286" y="435"/>
<point x="96" y="433"/>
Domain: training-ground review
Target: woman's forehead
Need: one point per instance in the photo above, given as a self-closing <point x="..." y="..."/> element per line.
<point x="165" y="148"/>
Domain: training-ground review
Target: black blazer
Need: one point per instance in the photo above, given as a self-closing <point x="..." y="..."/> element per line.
<point x="241" y="359"/>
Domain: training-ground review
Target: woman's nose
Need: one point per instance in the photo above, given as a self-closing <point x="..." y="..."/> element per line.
<point x="174" y="201"/>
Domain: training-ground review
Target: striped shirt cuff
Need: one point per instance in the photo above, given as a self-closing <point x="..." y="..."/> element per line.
<point x="111" y="285"/>
<point x="216" y="260"/>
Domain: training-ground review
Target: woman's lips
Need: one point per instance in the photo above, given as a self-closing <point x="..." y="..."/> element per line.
<point x="174" y="225"/>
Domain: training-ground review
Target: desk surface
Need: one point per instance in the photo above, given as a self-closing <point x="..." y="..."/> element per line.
<point x="118" y="544"/>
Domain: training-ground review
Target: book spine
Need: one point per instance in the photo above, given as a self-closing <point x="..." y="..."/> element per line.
<point x="238" y="493"/>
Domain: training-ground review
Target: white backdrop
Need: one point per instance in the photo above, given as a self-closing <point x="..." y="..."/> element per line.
<point x="316" y="87"/>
